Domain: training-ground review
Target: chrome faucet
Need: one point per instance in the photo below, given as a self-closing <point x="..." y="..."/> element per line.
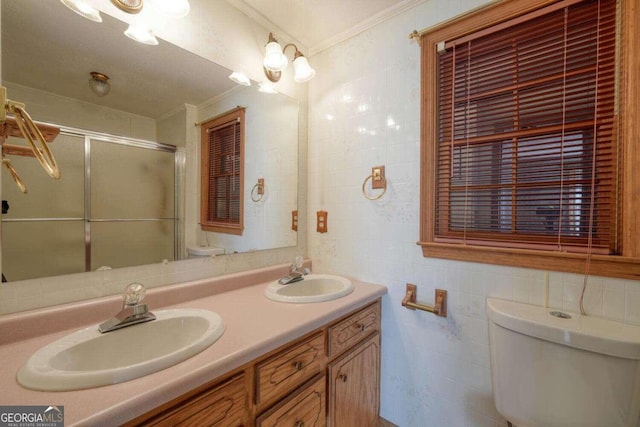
<point x="132" y="311"/>
<point x="296" y="272"/>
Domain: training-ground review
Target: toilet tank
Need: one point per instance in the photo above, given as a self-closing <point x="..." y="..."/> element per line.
<point x="549" y="371"/>
<point x="203" y="251"/>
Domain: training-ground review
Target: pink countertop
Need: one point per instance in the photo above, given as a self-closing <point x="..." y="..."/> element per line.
<point x="254" y="326"/>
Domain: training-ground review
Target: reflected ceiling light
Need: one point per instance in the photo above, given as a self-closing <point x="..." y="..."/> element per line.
<point x="275" y="61"/>
<point x="141" y="34"/>
<point x="173" y="8"/>
<point x="129" y="6"/>
<point x="240" y="78"/>
<point x="99" y="83"/>
<point x="267" y="87"/>
<point x="83" y="9"/>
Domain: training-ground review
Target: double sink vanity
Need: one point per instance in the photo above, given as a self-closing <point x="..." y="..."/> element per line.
<point x="239" y="349"/>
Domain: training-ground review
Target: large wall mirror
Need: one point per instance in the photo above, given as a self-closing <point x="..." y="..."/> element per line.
<point x="157" y="95"/>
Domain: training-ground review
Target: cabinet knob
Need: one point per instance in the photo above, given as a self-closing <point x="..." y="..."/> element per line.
<point x="298" y="365"/>
<point x="343" y="378"/>
<point x="299" y="424"/>
<point x="361" y="326"/>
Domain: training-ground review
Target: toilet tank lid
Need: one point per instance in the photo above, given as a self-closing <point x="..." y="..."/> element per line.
<point x="585" y="332"/>
<point x="205" y="250"/>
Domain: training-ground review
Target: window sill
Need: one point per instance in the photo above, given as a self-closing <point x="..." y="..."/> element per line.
<point x="601" y="265"/>
<point x="227" y="229"/>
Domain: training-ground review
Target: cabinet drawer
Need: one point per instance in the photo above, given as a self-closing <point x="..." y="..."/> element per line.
<point x="286" y="370"/>
<point x="304" y="409"/>
<point x="224" y="405"/>
<point x="353" y="329"/>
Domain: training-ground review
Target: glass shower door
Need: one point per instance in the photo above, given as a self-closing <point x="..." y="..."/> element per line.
<point x="43" y="230"/>
<point x="131" y="206"/>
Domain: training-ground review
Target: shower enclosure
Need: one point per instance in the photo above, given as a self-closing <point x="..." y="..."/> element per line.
<point x="114" y="206"/>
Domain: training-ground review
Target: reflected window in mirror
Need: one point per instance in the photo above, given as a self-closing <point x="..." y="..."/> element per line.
<point x="222" y="173"/>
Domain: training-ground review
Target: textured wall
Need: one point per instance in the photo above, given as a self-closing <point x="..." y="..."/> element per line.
<point x="364" y="111"/>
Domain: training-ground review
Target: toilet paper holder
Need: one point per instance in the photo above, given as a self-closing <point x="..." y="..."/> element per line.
<point x="439" y="309"/>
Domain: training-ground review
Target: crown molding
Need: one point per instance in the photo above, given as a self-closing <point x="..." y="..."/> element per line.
<point x="279" y="32"/>
<point x="362" y="26"/>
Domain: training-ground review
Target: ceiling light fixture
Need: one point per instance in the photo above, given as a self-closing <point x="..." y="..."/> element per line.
<point x="275" y="61"/>
<point x="83" y="9"/>
<point x="129" y="6"/>
<point x="240" y="78"/>
<point x="267" y="87"/>
<point x="99" y="83"/>
<point x="141" y="34"/>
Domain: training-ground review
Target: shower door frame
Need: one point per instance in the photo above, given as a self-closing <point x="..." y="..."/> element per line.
<point x="179" y="172"/>
<point x="135" y="143"/>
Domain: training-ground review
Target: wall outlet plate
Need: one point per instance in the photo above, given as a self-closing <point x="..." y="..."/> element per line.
<point x="321" y="226"/>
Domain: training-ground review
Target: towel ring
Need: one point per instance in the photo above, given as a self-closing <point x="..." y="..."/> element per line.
<point x="30" y="132"/>
<point x="260" y="194"/>
<point x="384" y="187"/>
<point x="14" y="175"/>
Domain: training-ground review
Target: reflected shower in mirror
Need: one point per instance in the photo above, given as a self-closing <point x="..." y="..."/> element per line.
<point x="157" y="94"/>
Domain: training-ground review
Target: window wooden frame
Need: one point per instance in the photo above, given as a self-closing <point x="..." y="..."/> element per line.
<point x="207" y="223"/>
<point x="625" y="265"/>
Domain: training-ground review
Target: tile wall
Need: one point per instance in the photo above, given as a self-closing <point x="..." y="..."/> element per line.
<point x="271" y="153"/>
<point x="364" y="112"/>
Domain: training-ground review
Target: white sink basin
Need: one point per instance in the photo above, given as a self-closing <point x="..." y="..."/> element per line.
<point x="314" y="288"/>
<point x="87" y="358"/>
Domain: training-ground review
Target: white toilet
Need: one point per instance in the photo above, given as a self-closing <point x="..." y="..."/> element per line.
<point x="549" y="371"/>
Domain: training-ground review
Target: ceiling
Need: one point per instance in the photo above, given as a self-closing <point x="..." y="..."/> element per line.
<point x="154" y="80"/>
<point x="48" y="47"/>
<point x="319" y="24"/>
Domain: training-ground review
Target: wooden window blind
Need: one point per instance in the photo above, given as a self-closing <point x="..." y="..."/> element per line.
<point x="526" y="141"/>
<point x="222" y="173"/>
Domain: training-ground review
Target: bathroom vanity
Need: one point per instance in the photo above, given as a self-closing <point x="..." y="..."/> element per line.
<point x="335" y="368"/>
<point x="306" y="364"/>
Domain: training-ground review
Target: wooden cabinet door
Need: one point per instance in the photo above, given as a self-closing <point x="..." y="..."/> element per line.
<point x="354" y="386"/>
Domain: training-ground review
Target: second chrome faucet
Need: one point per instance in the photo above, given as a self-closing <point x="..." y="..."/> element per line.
<point x="296" y="272"/>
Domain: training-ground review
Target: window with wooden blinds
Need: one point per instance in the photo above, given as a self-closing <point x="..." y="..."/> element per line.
<point x="526" y="132"/>
<point x="529" y="136"/>
<point x="222" y="144"/>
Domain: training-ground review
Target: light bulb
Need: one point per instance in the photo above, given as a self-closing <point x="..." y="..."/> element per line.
<point x="303" y="71"/>
<point x="83" y="9"/>
<point x="240" y="78"/>
<point x="274" y="59"/>
<point x="267" y="87"/>
<point x="141" y="34"/>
